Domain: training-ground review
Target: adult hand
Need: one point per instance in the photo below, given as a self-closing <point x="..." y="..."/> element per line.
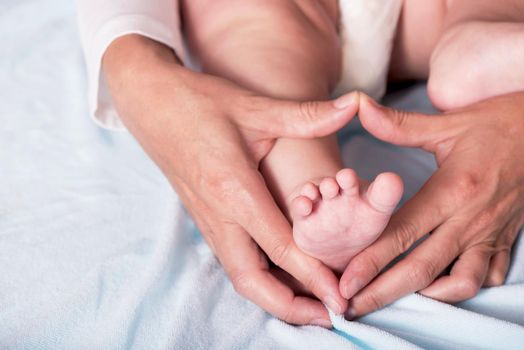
<point x="473" y="205"/>
<point x="208" y="136"/>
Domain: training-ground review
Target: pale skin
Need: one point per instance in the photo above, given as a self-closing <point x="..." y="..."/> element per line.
<point x="142" y="74"/>
<point x="335" y="215"/>
<point x="474" y="201"/>
<point x="217" y="177"/>
<point x="253" y="43"/>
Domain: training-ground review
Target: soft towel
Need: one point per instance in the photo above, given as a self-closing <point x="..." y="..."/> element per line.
<point x="96" y="251"/>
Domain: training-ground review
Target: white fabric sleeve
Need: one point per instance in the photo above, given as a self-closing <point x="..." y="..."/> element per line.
<point x="102" y="21"/>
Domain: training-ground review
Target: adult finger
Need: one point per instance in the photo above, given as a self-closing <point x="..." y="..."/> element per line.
<point x="251" y="278"/>
<point x="411" y="274"/>
<point x="277" y="118"/>
<point x="498" y="268"/>
<point x="404" y="128"/>
<point x="266" y="224"/>
<point x="419" y="216"/>
<point x="500" y="261"/>
<point x="465" y="279"/>
<point x="290" y="281"/>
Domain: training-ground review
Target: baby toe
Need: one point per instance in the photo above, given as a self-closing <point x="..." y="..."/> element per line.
<point x="301" y="206"/>
<point x="348" y="181"/>
<point x="310" y="190"/>
<point x="385" y="192"/>
<point x="328" y="188"/>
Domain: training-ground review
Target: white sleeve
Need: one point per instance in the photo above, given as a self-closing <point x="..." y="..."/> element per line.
<point x="102" y="21"/>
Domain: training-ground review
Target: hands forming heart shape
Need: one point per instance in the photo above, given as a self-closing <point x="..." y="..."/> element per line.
<point x="208" y="136"/>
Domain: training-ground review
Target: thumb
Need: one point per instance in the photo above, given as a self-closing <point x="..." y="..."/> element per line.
<point x="400" y="127"/>
<point x="304" y="119"/>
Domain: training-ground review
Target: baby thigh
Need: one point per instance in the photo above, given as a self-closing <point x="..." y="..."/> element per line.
<point x="292" y="45"/>
<point x="278" y="48"/>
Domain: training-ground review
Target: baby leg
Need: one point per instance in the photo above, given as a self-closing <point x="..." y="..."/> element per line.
<point x="289" y="49"/>
<point x="472" y="49"/>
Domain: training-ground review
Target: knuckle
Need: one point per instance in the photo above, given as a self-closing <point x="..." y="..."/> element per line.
<point x="372" y="300"/>
<point x="311" y="282"/>
<point x="400" y="118"/>
<point x="467" y="186"/>
<point x="286" y="314"/>
<point x="243" y="283"/>
<point x="405" y="235"/>
<point x="279" y="252"/>
<point x="421" y="273"/>
<point x="365" y="263"/>
<point x="308" y="110"/>
<point x="467" y="287"/>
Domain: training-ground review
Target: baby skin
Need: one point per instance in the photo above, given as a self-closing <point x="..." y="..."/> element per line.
<point x="339" y="217"/>
<point x="290" y="50"/>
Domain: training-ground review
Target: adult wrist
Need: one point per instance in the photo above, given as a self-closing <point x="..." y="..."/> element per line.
<point x="133" y="59"/>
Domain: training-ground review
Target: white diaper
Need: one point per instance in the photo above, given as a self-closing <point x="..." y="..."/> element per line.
<point x="367" y="31"/>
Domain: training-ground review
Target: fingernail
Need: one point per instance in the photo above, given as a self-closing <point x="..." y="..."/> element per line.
<point x="351" y="313"/>
<point x="332" y="303"/>
<point x="352" y="288"/>
<point x="322" y="322"/>
<point x="345" y="101"/>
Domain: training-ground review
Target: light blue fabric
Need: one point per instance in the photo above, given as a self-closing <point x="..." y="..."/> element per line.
<point x="96" y="252"/>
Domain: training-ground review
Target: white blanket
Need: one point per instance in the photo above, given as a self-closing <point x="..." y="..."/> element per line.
<point x="96" y="252"/>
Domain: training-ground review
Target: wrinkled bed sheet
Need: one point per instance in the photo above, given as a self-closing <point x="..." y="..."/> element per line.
<point x="96" y="251"/>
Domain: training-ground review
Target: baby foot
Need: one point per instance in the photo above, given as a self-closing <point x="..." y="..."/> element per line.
<point x="340" y="217"/>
